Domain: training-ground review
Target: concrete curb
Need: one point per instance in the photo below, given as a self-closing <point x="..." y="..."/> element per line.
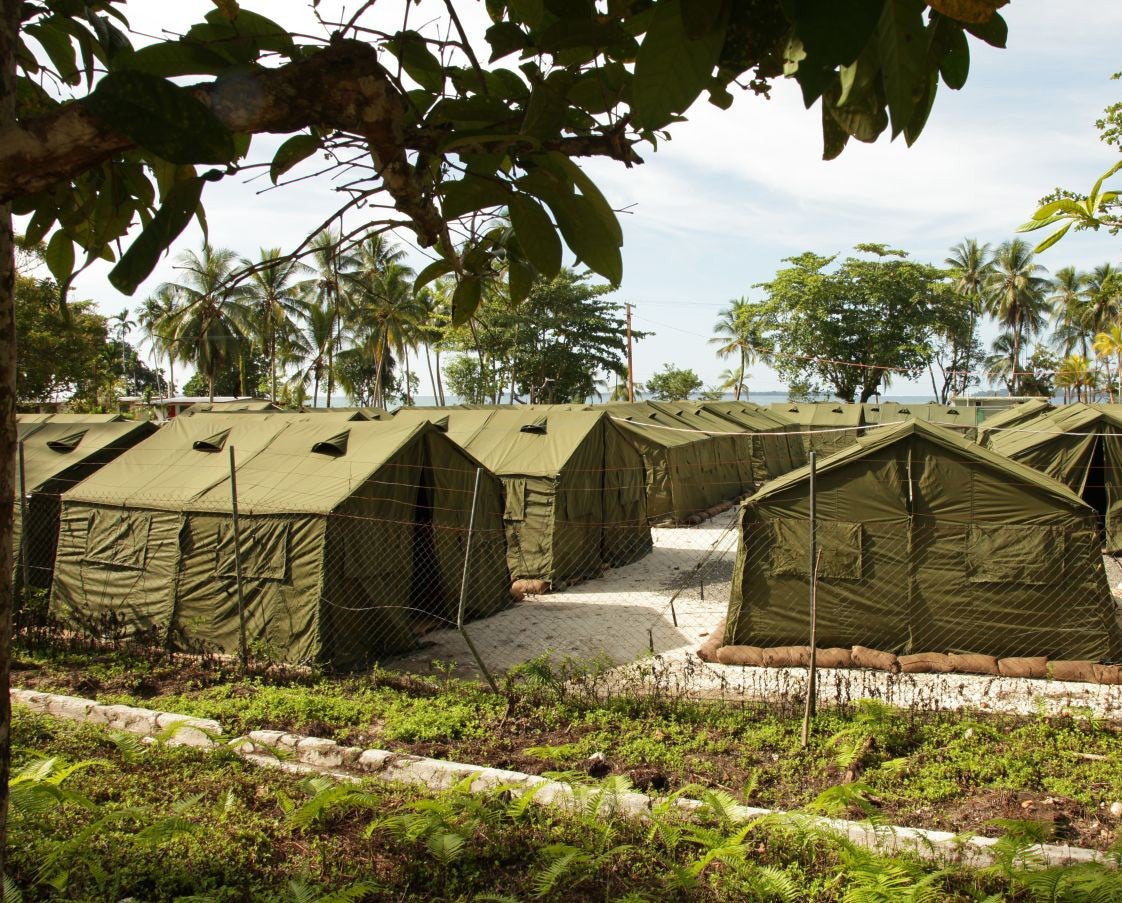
<point x="315" y="755"/>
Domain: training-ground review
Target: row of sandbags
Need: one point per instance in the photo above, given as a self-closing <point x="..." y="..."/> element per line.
<point x="920" y="663"/>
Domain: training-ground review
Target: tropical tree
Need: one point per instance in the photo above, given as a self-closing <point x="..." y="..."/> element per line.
<point x="1076" y="375"/>
<point x="328" y="289"/>
<point x="1069" y="310"/>
<point x="155" y="317"/>
<point x="1014" y="294"/>
<point x="318" y="340"/>
<point x="673" y="383"/>
<point x="739" y="331"/>
<point x="273" y="296"/>
<point x="1107" y="344"/>
<point x="207" y="328"/>
<point x="969" y="266"/>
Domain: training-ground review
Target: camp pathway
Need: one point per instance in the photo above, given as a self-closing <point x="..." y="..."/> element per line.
<point x="615" y="617"/>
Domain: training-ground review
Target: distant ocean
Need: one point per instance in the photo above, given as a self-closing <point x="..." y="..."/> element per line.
<point x="427" y="401"/>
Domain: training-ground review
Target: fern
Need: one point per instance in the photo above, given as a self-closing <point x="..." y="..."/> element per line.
<point x="839" y="799"/>
<point x="328" y="798"/>
<point x="562" y="858"/>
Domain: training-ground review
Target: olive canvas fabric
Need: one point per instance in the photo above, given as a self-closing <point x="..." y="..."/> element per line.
<point x="351" y="537"/>
<point x="927" y="543"/>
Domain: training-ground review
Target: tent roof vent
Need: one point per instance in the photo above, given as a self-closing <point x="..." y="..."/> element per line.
<point x="211" y="443"/>
<point x="535" y="426"/>
<point x="66" y="443"/>
<point x="837" y="410"/>
<point x="904" y="410"/>
<point x="441" y="423"/>
<point x="335" y="447"/>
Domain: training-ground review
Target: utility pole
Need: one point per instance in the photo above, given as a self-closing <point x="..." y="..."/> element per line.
<point x="630" y="368"/>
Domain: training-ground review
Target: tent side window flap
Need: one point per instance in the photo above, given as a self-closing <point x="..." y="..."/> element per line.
<point x="839" y="542"/>
<point x="264" y="550"/>
<point x="515" y="498"/>
<point x="115" y="539"/>
<point x="1011" y="553"/>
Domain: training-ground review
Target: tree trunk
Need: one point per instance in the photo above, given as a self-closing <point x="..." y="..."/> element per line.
<point x="9" y="39"/>
<point x="171" y="374"/>
<point x="241" y="373"/>
<point x="273" y="359"/>
<point x="740" y="380"/>
<point x="432" y="379"/>
<point x="315" y="390"/>
<point x="407" y="395"/>
<point x="439" y="378"/>
<point x="1016" y="382"/>
<point x="210" y="383"/>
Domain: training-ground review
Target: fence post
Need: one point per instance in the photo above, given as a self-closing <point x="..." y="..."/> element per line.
<point x="463" y="586"/>
<point x="25" y="567"/>
<point x="243" y="646"/>
<point x="812" y="670"/>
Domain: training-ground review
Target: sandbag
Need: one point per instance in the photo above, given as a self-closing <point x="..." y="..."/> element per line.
<point x="529" y="587"/>
<point x="1072" y="669"/>
<point x="741" y="655"/>
<point x="1108" y="674"/>
<point x="1029" y="666"/>
<point x="925" y="663"/>
<point x="786" y="656"/>
<point x="864" y="657"/>
<point x="973" y="663"/>
<point x="708" y="650"/>
<point x="833" y="657"/>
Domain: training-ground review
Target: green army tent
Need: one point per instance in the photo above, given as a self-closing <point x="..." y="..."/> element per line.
<point x="829" y="426"/>
<point x="351" y="533"/>
<point x="776" y="446"/>
<point x="731" y="473"/>
<point x="239" y="406"/>
<point x="1010" y="417"/>
<point x="1081" y="446"/>
<point x="928" y="543"/>
<point x="574" y="486"/>
<point x="676" y="460"/>
<point x="960" y="420"/>
<point x="55" y="457"/>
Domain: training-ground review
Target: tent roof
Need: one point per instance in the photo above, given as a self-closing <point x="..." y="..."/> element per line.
<point x="1045" y="428"/>
<point x="251" y="405"/>
<point x="1016" y="413"/>
<point x="523" y="440"/>
<point x="878" y="439"/>
<point x="50" y="449"/>
<point x="751" y="417"/>
<point x="71" y="418"/>
<point x="189" y="457"/>
<point x="313" y="466"/>
<point x="822" y="414"/>
<point x="894" y="412"/>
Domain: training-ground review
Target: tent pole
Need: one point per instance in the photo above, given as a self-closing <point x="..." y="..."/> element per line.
<point x="463" y="587"/>
<point x="812" y="675"/>
<point x="243" y="647"/>
<point x="25" y="567"/>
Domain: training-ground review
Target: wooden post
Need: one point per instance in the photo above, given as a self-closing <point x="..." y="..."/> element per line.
<point x="463" y="589"/>
<point x="630" y="363"/>
<point x="243" y="646"/>
<point x="813" y="556"/>
<point x="25" y="567"/>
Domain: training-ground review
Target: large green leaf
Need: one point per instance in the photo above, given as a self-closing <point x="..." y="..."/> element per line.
<point x="588" y="188"/>
<point x="520" y="279"/>
<point x="179" y="206"/>
<point x="672" y="69"/>
<point x="536" y="235"/>
<point x="434" y="270"/>
<point x="162" y="118"/>
<point x="465" y="299"/>
<point x="834" y="33"/>
<point x="295" y="149"/>
<point x="56" y="42"/>
<point x="473" y="193"/>
<point x="995" y="32"/>
<point x="548" y="106"/>
<point x="954" y="64"/>
<point x="417" y="60"/>
<point x="169" y="59"/>
<point x="60" y="257"/>
<point x="903" y="57"/>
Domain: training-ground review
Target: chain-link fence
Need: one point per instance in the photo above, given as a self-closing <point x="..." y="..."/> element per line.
<point x="916" y="557"/>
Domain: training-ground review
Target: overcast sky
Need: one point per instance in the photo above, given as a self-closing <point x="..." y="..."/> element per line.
<point x="716" y="209"/>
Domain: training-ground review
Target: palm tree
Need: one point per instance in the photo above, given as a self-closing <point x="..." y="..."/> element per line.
<point x="999" y="363"/>
<point x="739" y="331"/>
<point x="327" y="288"/>
<point x="1069" y="310"/>
<point x="1104" y="297"/>
<point x="206" y="328"/>
<point x="276" y="300"/>
<point x="155" y="318"/>
<point x="317" y="339"/>
<point x="122" y="329"/>
<point x="1014" y="296"/>
<point x="970" y="266"/>
<point x="387" y="316"/>
<point x="1075" y="373"/>
<point x="1106" y="344"/>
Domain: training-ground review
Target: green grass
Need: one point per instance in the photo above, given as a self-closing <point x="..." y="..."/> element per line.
<point x="952" y="771"/>
<point x="156" y="823"/>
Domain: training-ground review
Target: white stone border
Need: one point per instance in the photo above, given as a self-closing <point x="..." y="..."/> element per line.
<point x="302" y="754"/>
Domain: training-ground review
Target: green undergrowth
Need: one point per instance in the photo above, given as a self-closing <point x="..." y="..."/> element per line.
<point x="952" y="771"/>
<point x="102" y="816"/>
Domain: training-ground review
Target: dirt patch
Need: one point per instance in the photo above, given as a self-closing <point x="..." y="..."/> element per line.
<point x="1064" y="820"/>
